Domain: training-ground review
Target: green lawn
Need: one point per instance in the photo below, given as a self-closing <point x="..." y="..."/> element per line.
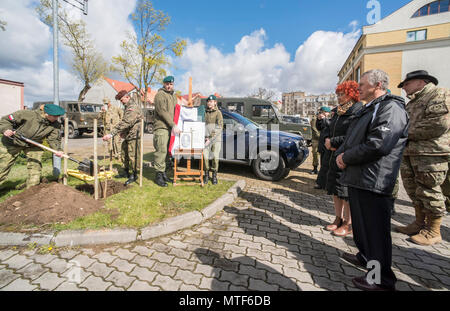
<point x="133" y="208"/>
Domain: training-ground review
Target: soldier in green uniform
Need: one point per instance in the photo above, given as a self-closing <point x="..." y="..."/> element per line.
<point x="213" y="138"/>
<point x="165" y="102"/>
<point x="111" y="116"/>
<point x="129" y="130"/>
<point x="315" y="144"/>
<point x="425" y="165"/>
<point x="33" y="124"/>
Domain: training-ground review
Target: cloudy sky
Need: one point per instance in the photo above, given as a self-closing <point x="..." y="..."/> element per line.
<point x="234" y="47"/>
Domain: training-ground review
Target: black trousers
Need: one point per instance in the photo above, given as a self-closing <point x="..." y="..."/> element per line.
<point x="371" y="222"/>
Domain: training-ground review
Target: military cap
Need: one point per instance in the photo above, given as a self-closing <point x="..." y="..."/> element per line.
<point x="121" y="94"/>
<point x="54" y="110"/>
<point x="169" y="79"/>
<point x="325" y="108"/>
<point x="211" y="97"/>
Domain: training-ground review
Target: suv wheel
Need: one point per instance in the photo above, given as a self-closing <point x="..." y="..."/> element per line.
<point x="269" y="165"/>
<point x="73" y="133"/>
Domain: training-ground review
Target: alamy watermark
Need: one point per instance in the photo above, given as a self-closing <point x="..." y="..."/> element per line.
<point x="374" y="15"/>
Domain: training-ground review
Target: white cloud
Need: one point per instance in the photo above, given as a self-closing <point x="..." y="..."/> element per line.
<point x="314" y="67"/>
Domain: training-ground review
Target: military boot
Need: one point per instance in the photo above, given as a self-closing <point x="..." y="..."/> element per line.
<point x="314" y="171"/>
<point x="133" y="177"/>
<point x="206" y="178"/>
<point x="159" y="180"/>
<point x="167" y="179"/>
<point x="431" y="234"/>
<point x="416" y="226"/>
<point x="214" y="178"/>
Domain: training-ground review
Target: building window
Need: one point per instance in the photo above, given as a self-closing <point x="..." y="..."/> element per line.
<point x="434" y="7"/>
<point x="417" y="35"/>
<point x="358" y="74"/>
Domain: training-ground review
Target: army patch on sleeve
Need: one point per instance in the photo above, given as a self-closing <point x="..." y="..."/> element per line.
<point x="438" y="108"/>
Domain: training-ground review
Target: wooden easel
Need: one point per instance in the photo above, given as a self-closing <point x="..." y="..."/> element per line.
<point x="181" y="175"/>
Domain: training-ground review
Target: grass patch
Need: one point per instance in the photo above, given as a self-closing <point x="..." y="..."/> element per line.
<point x="133" y="208"/>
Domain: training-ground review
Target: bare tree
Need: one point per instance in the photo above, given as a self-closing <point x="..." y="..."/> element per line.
<point x="87" y="63"/>
<point x="144" y="56"/>
<point x="3" y="25"/>
<point x="263" y="93"/>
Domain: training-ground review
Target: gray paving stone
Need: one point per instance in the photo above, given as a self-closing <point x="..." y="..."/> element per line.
<point x="328" y="284"/>
<point x="235" y="249"/>
<point x="301" y="276"/>
<point x="6" y="277"/>
<point x="19" y="285"/>
<point x="5" y="254"/>
<point x="162" y="257"/>
<point x="120" y="279"/>
<point x="17" y="262"/>
<point x="142" y="286"/>
<point x="184" y="264"/>
<point x="69" y="287"/>
<point x="234" y="278"/>
<point x="83" y="260"/>
<point x="167" y="283"/>
<point x="104" y="257"/>
<point x="143" y="274"/>
<point x="259" y="285"/>
<point x="49" y="281"/>
<point x="187" y="277"/>
<point x="32" y="271"/>
<point x="206" y="270"/>
<point x="421" y="273"/>
<point x="180" y="253"/>
<point x="124" y="254"/>
<point x="259" y="255"/>
<point x="122" y="265"/>
<point x="141" y="250"/>
<point x="113" y="288"/>
<point x="68" y="254"/>
<point x="143" y="261"/>
<point x="95" y="283"/>
<point x="165" y="269"/>
<point x="426" y="266"/>
<point x="100" y="269"/>
<point x="253" y="272"/>
<point x="58" y="265"/>
<point x="287" y="262"/>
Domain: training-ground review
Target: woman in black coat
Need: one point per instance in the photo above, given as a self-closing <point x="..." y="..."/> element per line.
<point x="349" y="105"/>
<point x="322" y="125"/>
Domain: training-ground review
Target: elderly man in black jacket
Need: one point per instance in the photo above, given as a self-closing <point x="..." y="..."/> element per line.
<point x="370" y="157"/>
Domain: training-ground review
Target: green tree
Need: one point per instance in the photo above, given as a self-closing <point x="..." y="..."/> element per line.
<point x="263" y="93"/>
<point x="86" y="63"/>
<point x="145" y="55"/>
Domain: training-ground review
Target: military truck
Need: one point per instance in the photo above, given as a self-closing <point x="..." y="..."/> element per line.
<point x="264" y="113"/>
<point x="149" y="114"/>
<point x="81" y="116"/>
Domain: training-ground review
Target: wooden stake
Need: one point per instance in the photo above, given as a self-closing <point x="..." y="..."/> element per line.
<point x="104" y="171"/>
<point x="141" y="158"/>
<point x="95" y="161"/>
<point x="66" y="147"/>
<point x="110" y="154"/>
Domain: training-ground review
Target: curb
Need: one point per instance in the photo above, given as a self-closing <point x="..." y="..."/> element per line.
<point x="107" y="236"/>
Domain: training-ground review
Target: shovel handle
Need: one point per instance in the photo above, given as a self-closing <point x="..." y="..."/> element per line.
<point x="44" y="147"/>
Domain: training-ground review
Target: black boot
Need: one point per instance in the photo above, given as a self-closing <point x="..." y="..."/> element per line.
<point x="214" y="178"/>
<point x="159" y="180"/>
<point x="167" y="179"/>
<point x="133" y="177"/>
<point x="206" y="178"/>
<point x="314" y="171"/>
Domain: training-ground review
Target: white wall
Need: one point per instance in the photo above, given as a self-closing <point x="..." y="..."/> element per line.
<point x="101" y="90"/>
<point x="10" y="99"/>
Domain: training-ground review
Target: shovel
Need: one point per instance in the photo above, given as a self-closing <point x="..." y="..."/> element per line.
<point x="86" y="166"/>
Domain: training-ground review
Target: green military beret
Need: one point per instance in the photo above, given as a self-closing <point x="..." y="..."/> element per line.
<point x="169" y="79"/>
<point x="325" y="108"/>
<point x="211" y="97"/>
<point x="54" y="110"/>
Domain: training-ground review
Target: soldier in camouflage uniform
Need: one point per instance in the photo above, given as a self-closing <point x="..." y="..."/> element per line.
<point x="33" y="124"/>
<point x="213" y="136"/>
<point x="165" y="102"/>
<point x="425" y="166"/>
<point x="129" y="130"/>
<point x="111" y="116"/>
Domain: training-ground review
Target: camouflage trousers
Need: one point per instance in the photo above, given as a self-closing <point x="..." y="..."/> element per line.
<point x="315" y="153"/>
<point x="130" y="154"/>
<point x="427" y="181"/>
<point x="9" y="155"/>
<point x="115" y="147"/>
<point x="212" y="152"/>
<point x="161" y="138"/>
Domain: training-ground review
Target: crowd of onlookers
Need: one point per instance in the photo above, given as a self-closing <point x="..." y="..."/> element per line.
<point x="363" y="143"/>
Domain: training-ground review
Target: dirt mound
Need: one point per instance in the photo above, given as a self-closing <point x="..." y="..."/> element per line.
<point x="47" y="203"/>
<point x="112" y="187"/>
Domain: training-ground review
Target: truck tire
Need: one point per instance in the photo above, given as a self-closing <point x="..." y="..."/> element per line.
<point x="73" y="133"/>
<point x="269" y="165"/>
<point x="148" y="128"/>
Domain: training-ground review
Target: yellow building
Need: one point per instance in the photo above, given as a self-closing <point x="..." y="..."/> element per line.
<point x="417" y="36"/>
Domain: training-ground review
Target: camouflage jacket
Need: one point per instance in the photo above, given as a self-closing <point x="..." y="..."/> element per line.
<point x="33" y="125"/>
<point x="214" y="124"/>
<point x="429" y="130"/>
<point x="165" y="103"/>
<point x="129" y="127"/>
<point x="315" y="131"/>
<point x="111" y="117"/>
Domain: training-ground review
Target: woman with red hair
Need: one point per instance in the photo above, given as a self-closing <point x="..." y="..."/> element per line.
<point x="344" y="114"/>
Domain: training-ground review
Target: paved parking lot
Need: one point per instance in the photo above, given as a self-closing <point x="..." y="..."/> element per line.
<point x="270" y="238"/>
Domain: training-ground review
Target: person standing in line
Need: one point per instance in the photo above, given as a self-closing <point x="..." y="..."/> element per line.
<point x="370" y="158"/>
<point x="213" y="138"/>
<point x="425" y="165"/>
<point x="322" y="124"/>
<point x="111" y="116"/>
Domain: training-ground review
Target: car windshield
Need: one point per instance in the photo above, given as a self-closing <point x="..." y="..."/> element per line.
<point x="90" y="108"/>
<point x="248" y="124"/>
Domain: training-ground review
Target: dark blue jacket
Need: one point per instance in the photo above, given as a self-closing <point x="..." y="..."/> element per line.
<point x="374" y="145"/>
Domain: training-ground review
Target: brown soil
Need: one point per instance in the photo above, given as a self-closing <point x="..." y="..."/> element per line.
<point x="52" y="203"/>
<point x="112" y="187"/>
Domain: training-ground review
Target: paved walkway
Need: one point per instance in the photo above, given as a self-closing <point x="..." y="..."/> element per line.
<point x="271" y="238"/>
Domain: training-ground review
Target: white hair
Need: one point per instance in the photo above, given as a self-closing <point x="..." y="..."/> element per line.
<point x="376" y="76"/>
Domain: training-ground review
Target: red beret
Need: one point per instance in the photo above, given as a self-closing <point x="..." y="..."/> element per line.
<point x="121" y="94"/>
